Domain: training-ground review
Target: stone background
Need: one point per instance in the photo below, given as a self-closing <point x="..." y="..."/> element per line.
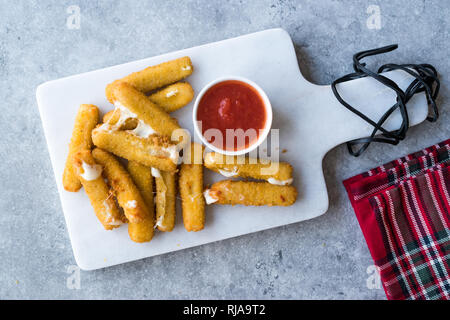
<point x="325" y="258"/>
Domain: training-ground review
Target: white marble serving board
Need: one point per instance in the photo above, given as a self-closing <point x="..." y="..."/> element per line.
<point x="310" y="119"/>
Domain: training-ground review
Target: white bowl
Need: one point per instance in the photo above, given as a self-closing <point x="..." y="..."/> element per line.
<point x="262" y="136"/>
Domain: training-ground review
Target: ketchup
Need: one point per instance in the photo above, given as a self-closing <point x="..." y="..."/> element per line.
<point x="232" y="104"/>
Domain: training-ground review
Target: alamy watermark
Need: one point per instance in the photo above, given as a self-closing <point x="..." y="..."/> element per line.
<point x="373" y="282"/>
<point x="374" y="20"/>
<point x="73" y="21"/>
<point x="73" y="281"/>
<point x="266" y="155"/>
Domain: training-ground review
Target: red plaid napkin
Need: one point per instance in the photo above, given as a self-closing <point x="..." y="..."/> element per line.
<point x="403" y="209"/>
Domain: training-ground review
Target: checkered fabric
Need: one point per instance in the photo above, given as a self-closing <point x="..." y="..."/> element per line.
<point x="403" y="208"/>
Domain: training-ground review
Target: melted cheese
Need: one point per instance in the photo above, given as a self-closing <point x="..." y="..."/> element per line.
<point x="91" y="172"/>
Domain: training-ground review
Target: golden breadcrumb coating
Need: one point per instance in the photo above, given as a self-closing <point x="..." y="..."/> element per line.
<point x="108" y="116"/>
<point x="170" y="99"/>
<point x="245" y="167"/>
<point x="127" y="193"/>
<point x="142" y="177"/>
<point x="191" y="190"/>
<point x="154" y="151"/>
<point x="250" y="193"/>
<point x="113" y="116"/>
<point x="173" y="97"/>
<point x="85" y="121"/>
<point x="139" y="104"/>
<point x="165" y="200"/>
<point x="99" y="193"/>
<point x="155" y="77"/>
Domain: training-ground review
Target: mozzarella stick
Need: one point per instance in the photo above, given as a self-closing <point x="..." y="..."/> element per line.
<point x="155" y="77"/>
<point x="170" y="99"/>
<point x="173" y="97"/>
<point x="191" y="190"/>
<point x="154" y="151"/>
<point x="107" y="116"/>
<point x="85" y="121"/>
<point x="118" y="119"/>
<point x="135" y="103"/>
<point x="100" y="195"/>
<point x="126" y="192"/>
<point x="142" y="177"/>
<point x="250" y="193"/>
<point x="278" y="173"/>
<point x="165" y="199"/>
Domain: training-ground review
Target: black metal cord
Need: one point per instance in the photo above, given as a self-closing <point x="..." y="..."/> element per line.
<point x="426" y="80"/>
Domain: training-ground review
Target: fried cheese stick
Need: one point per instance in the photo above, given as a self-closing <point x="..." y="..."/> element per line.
<point x="85" y="121"/>
<point x="191" y="190"/>
<point x="165" y="199"/>
<point x="154" y="151"/>
<point x="173" y="97"/>
<point x="127" y="98"/>
<point x="126" y="192"/>
<point x="280" y="173"/>
<point x="100" y="195"/>
<point x="155" y="77"/>
<point x="142" y="177"/>
<point x="107" y="116"/>
<point x="114" y="116"/>
<point x="170" y="99"/>
<point x="250" y="193"/>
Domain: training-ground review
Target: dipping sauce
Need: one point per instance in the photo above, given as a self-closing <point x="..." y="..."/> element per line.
<point x="235" y="105"/>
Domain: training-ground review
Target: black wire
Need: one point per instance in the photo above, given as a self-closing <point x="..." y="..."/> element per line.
<point x="425" y="80"/>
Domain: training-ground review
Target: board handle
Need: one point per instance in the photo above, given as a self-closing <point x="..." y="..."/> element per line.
<point x="372" y="99"/>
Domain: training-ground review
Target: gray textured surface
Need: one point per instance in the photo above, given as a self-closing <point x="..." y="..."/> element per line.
<point x="325" y="258"/>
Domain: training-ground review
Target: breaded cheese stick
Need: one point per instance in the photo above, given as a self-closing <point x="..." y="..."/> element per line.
<point x="85" y="121"/>
<point x="173" y="97"/>
<point x="100" y="195"/>
<point x="107" y="116"/>
<point x="191" y="190"/>
<point x="170" y="99"/>
<point x="280" y="173"/>
<point x="155" y="77"/>
<point x="154" y="151"/>
<point x="142" y="177"/>
<point x="126" y="192"/>
<point x="118" y="119"/>
<point x="165" y="199"/>
<point x="250" y="193"/>
<point x="130" y="100"/>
